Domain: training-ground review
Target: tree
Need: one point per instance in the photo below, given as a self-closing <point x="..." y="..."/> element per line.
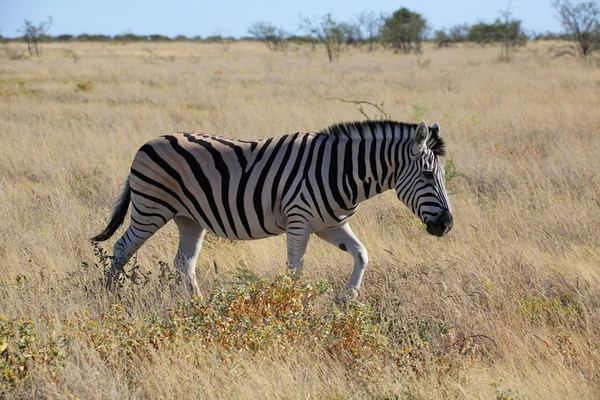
<point x="334" y="35"/>
<point x="130" y="37"/>
<point x="84" y="37"/>
<point x="269" y="34"/>
<point x="304" y="39"/>
<point x="34" y="35"/>
<point x="159" y="38"/>
<point x="483" y="33"/>
<point x="367" y="29"/>
<point x="442" y="39"/>
<point x="582" y="21"/>
<point x="218" y="36"/>
<point x="459" y="33"/>
<point x="498" y="32"/>
<point x="64" y="38"/>
<point x="456" y="34"/>
<point x="511" y="32"/>
<point x="405" y="30"/>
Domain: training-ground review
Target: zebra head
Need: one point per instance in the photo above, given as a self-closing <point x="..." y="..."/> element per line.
<point x="421" y="178"/>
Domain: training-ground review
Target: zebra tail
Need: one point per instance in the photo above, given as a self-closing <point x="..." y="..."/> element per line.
<point x="118" y="214"/>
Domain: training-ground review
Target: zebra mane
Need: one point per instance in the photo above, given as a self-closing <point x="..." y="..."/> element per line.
<point x="377" y="129"/>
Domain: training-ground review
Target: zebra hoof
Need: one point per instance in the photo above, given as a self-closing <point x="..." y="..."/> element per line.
<point x="112" y="281"/>
<point x="351" y="294"/>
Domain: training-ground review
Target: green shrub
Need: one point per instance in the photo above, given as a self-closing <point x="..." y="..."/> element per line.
<point x="450" y="170"/>
<point x="419" y="110"/>
<point x="552" y="310"/>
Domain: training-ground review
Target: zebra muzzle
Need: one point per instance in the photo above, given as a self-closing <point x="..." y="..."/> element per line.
<point x="441" y="224"/>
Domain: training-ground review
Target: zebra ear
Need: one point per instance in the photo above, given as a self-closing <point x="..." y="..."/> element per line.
<point x="436" y="126"/>
<point x="421" y="135"/>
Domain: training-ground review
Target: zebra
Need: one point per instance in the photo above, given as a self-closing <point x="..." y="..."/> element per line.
<point x="297" y="184"/>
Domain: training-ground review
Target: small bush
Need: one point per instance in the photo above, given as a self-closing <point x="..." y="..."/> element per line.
<point x="20" y="351"/>
<point x="86" y="86"/>
<point x="450" y="170"/>
<point x="70" y="53"/>
<point x="419" y="110"/>
<point x="552" y="310"/>
<point x="424" y="62"/>
<point x="14" y="53"/>
<point x="504" y="394"/>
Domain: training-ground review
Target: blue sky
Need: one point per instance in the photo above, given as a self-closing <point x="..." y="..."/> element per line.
<point x="206" y="17"/>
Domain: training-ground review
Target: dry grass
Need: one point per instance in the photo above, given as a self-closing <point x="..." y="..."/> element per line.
<point x="507" y="305"/>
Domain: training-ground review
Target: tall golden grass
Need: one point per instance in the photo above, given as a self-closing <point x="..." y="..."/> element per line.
<point x="506" y="306"/>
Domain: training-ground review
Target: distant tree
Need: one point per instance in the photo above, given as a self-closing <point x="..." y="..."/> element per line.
<point x="159" y="38"/>
<point x="64" y="38"/>
<point x="334" y="35"/>
<point x="497" y="32"/>
<point x="459" y="33"/>
<point x="582" y="22"/>
<point x="551" y="36"/>
<point x="84" y="37"/>
<point x="511" y="31"/>
<point x="404" y="30"/>
<point x="367" y="28"/>
<point x="275" y="38"/>
<point x="180" y="38"/>
<point x="219" y="37"/>
<point x="130" y="37"/>
<point x="34" y="35"/>
<point x="305" y="39"/>
<point x="483" y="33"/>
<point x="448" y="37"/>
<point x="442" y="39"/>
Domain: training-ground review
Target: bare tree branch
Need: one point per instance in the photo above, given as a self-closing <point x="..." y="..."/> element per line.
<point x="582" y="21"/>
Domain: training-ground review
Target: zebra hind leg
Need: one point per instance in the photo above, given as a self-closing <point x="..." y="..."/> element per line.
<point x="191" y="235"/>
<point x="141" y="227"/>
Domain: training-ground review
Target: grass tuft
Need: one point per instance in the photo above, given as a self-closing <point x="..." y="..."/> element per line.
<point x="86" y="86"/>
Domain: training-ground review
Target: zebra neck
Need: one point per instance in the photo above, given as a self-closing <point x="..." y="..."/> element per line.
<point x="366" y="166"/>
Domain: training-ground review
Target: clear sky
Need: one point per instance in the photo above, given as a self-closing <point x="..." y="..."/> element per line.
<point x="233" y="17"/>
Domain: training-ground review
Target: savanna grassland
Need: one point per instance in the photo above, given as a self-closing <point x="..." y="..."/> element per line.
<point x="506" y="306"/>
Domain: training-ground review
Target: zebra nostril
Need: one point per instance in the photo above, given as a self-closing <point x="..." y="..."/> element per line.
<point x="445" y="215"/>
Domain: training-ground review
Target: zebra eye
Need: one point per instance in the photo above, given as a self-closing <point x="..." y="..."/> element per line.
<point x="428" y="174"/>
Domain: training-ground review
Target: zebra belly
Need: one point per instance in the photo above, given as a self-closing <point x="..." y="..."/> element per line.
<point x="258" y="234"/>
<point x="191" y="202"/>
<point x="317" y="215"/>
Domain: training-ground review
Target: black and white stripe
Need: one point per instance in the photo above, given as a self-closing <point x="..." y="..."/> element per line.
<point x="300" y="183"/>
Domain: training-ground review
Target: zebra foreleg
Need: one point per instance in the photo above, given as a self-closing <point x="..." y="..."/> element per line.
<point x="297" y="233"/>
<point x="191" y="236"/>
<point x="344" y="239"/>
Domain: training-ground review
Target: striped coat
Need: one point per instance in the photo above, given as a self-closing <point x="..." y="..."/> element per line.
<point x="297" y="184"/>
